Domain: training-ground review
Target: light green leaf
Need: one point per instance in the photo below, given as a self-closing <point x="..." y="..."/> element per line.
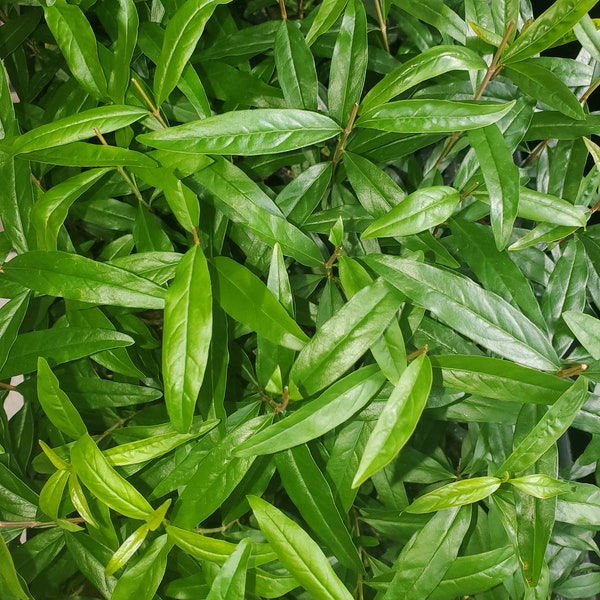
<point x="344" y="338"/>
<point x="541" y="486"/>
<point x="476" y="313"/>
<point x="586" y="329"/>
<point x="298" y="552"/>
<point x="329" y="12"/>
<point x="126" y="550"/>
<point x="51" y="495"/>
<point x="56" y="404"/>
<point x="432" y="116"/>
<point x="9" y="574"/>
<point x="315" y="418"/>
<point x="548" y="429"/>
<point x="123" y="49"/>
<point x="230" y="582"/>
<point x="398" y="420"/>
<point x="186" y="336"/>
<point x="79" y="278"/>
<point x="424" y="208"/>
<point x="247" y="132"/>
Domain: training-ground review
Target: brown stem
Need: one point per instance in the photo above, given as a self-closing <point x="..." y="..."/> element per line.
<point x="114" y="427"/>
<point x="593" y="87"/>
<point x="573" y="370"/>
<point x="8" y="386"/>
<point x="195" y="236"/>
<point x="282" y="10"/>
<point x="536" y="152"/>
<point x="469" y="190"/>
<point x="153" y="109"/>
<point x="339" y="151"/>
<point x="33" y="524"/>
<point x="417" y="353"/>
<point x="221" y="529"/>
<point x="382" y="25"/>
<point x="300" y="9"/>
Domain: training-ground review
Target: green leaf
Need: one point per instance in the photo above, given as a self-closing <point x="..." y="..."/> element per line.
<point x="316" y="417"/>
<point x="51" y="209"/>
<point x="328" y="13"/>
<point x="543" y="85"/>
<point x="56" y="403"/>
<point x="105" y="483"/>
<point x="241" y="200"/>
<point x="586" y="329"/>
<point x="9" y="574"/>
<point x="123" y="49"/>
<point x="548" y="429"/>
<point x="78" y="278"/>
<point x="142" y="579"/>
<point x="541" y="486"/>
<point x="77" y="127"/>
<point x="51" y="495"/>
<point x="344" y="338"/>
<point x="308" y="489"/>
<point x="295" y="65"/>
<point x="432" y="116"/>
<point x="469" y="309"/>
<point x="186" y="337"/>
<point x="458" y="493"/>
<point x="11" y="318"/>
<point x="348" y="63"/>
<point x="230" y="582"/>
<point x="58" y="345"/>
<point x="424" y="560"/>
<point x="298" y="553"/>
<point x="501" y="177"/>
<point x="127" y="549"/>
<point x="79" y="500"/>
<point x="550" y="26"/>
<point x="438" y="14"/>
<point x="431" y="63"/>
<point x="248" y="300"/>
<point x="181" y="36"/>
<point x="75" y="37"/>
<point x="398" y="420"/>
<point x="581" y="506"/>
<point x="247" y="132"/>
<point x="424" y="208"/>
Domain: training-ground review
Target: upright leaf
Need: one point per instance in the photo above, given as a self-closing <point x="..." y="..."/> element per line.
<point x="328" y="13"/>
<point x="186" y="336"/>
<point x="230" y="582"/>
<point x="11" y="317"/>
<point x="124" y="47"/>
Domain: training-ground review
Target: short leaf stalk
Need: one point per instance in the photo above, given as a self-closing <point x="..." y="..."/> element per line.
<point x="153" y="109"/>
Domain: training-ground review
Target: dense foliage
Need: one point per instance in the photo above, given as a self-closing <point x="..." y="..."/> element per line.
<point x="305" y="296"/>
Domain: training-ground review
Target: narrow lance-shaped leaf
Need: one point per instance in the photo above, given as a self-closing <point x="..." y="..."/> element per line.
<point x="298" y="552"/>
<point x="230" y="582"/>
<point x="105" y="483"/>
<point x="344" y="338"/>
<point x="79" y="278"/>
<point x="248" y="300"/>
<point x="9" y="574"/>
<point x="329" y="11"/>
<point x="76" y="39"/>
<point x="501" y="177"/>
<point x="127" y="30"/>
<point x="424" y="208"/>
<point x="348" y="63"/>
<point x="11" y="317"/>
<point x="247" y="132"/>
<point x="56" y="404"/>
<point x="126" y="550"/>
<point x="541" y="486"/>
<point x="432" y="116"/>
<point x="315" y="418"/>
<point x="181" y="36"/>
<point x="398" y="419"/>
<point x="428" y="64"/>
<point x="186" y="336"/>
<point x="586" y="329"/>
<point x="469" y="309"/>
<point x="296" y="70"/>
<point x="438" y="14"/>
<point x="548" y="429"/>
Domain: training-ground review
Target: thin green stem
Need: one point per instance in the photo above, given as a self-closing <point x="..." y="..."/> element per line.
<point x="153" y="109"/>
<point x="382" y="25"/>
<point x="339" y="151"/>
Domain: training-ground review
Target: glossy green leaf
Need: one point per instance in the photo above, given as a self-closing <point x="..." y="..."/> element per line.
<point x="398" y="420"/>
<point x="79" y="500"/>
<point x="296" y="70"/>
<point x="230" y="582"/>
<point x="105" y="483"/>
<point x="56" y="403"/>
<point x="9" y="574"/>
<point x="71" y="276"/>
<point x="547" y="29"/>
<point x="424" y="208"/>
<point x="252" y="132"/>
<point x="541" y="486"/>
<point x="586" y="329"/>
<point x="315" y="418"/>
<point x="181" y="36"/>
<point x="298" y="552"/>
<point x="432" y="116"/>
<point x="431" y="63"/>
<point x="458" y="493"/>
<point x="186" y="336"/>
<point x="543" y="85"/>
<point x="470" y="310"/>
<point x="248" y="300"/>
<point x="328" y="13"/>
<point x="344" y="338"/>
<point x="142" y="579"/>
<point x="127" y="549"/>
<point x="501" y="177"/>
<point x="123" y="49"/>
<point x="424" y="560"/>
<point x="75" y="37"/>
<point x="310" y="492"/>
<point x="438" y="14"/>
<point x="51" y="495"/>
<point x="58" y="345"/>
<point x="242" y="201"/>
<point x="77" y="127"/>
<point x="548" y="429"/>
<point x="11" y="318"/>
<point x="547" y="208"/>
<point x="348" y="63"/>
